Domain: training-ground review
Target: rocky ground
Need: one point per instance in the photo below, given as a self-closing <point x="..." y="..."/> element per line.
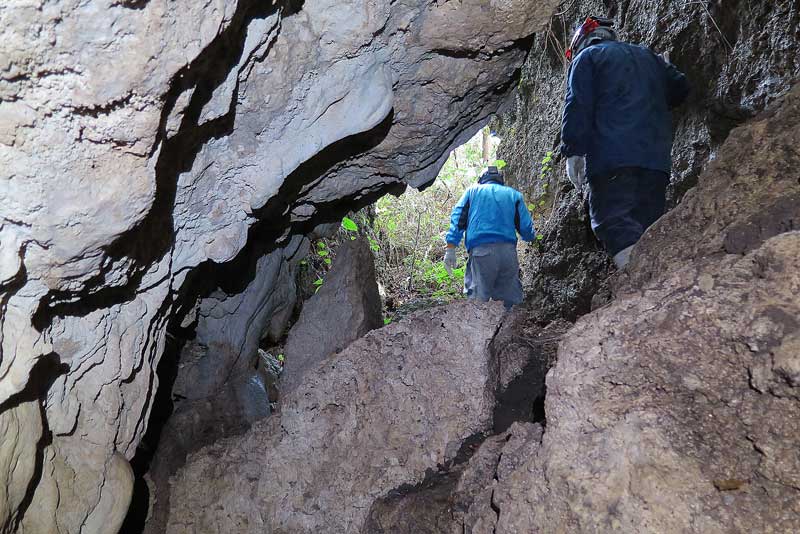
<point x="393" y="407"/>
<point x="178" y="193"/>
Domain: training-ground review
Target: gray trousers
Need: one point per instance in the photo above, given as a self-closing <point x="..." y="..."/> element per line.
<point x="493" y="274"/>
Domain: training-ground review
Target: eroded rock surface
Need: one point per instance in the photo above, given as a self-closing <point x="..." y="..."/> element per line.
<point x="696" y="436"/>
<point x="676" y="407"/>
<point x="345" y="307"/>
<point x="460" y="501"/>
<point x="142" y="140"/>
<point x="389" y="409"/>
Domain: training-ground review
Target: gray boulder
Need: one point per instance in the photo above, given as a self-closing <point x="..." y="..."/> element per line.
<point x="346" y="307"/>
<point x="390" y="409"/>
<point x="676" y="407"/>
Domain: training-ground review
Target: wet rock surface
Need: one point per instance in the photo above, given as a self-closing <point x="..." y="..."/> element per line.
<point x="392" y="407"/>
<point x="345" y="307"/>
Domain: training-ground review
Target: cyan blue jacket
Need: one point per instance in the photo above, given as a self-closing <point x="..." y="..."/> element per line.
<point x="617" y="108"/>
<point x="490" y="213"/>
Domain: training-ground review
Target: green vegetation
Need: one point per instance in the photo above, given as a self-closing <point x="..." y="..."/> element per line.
<point x="349" y="225"/>
<point x="407" y="232"/>
<point x="314" y="268"/>
<point x="406" y="235"/>
<point x="539" y="205"/>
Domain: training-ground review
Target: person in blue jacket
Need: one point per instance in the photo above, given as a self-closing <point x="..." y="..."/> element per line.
<point x="617" y="132"/>
<point x="491" y="214"/>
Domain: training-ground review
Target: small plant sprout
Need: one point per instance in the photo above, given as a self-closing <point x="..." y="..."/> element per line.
<point x="547" y="164"/>
<point x="350" y="225"/>
<point x="281" y="358"/>
<point x="499" y="163"/>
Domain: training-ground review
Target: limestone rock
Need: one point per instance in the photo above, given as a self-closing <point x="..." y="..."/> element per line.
<point x="749" y="193"/>
<point x="346" y="307"/>
<point x="23" y="428"/>
<point x="393" y="406"/>
<point x="525" y="352"/>
<point x="144" y="141"/>
<point x="738" y="58"/>
<point x="220" y="383"/>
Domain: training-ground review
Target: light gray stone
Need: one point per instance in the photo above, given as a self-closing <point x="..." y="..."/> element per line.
<point x="22" y="428"/>
<point x="345" y="307"/>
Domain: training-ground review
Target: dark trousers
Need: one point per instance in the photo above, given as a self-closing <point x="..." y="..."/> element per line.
<point x="624" y="203"/>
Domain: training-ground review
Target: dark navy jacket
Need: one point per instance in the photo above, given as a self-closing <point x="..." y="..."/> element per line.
<point x="617" y="108"/>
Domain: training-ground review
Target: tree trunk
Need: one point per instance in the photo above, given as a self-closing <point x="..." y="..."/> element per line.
<point x="487" y="145"/>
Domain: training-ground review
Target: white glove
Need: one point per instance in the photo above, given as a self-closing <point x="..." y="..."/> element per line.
<point x="576" y="171"/>
<point x="450" y="259"/>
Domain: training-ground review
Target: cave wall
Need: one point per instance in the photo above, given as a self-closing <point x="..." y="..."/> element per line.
<point x="675" y="408"/>
<point x="739" y="57"/>
<point x="144" y="140"/>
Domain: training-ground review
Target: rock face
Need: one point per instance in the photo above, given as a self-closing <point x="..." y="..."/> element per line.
<point x="145" y="141"/>
<point x="346" y="307"/>
<point x="739" y="57"/>
<point x="391" y="408"/>
<point x="23" y="427"/>
<point x="676" y="408"/>
<point x="461" y="501"/>
<point x="692" y="436"/>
